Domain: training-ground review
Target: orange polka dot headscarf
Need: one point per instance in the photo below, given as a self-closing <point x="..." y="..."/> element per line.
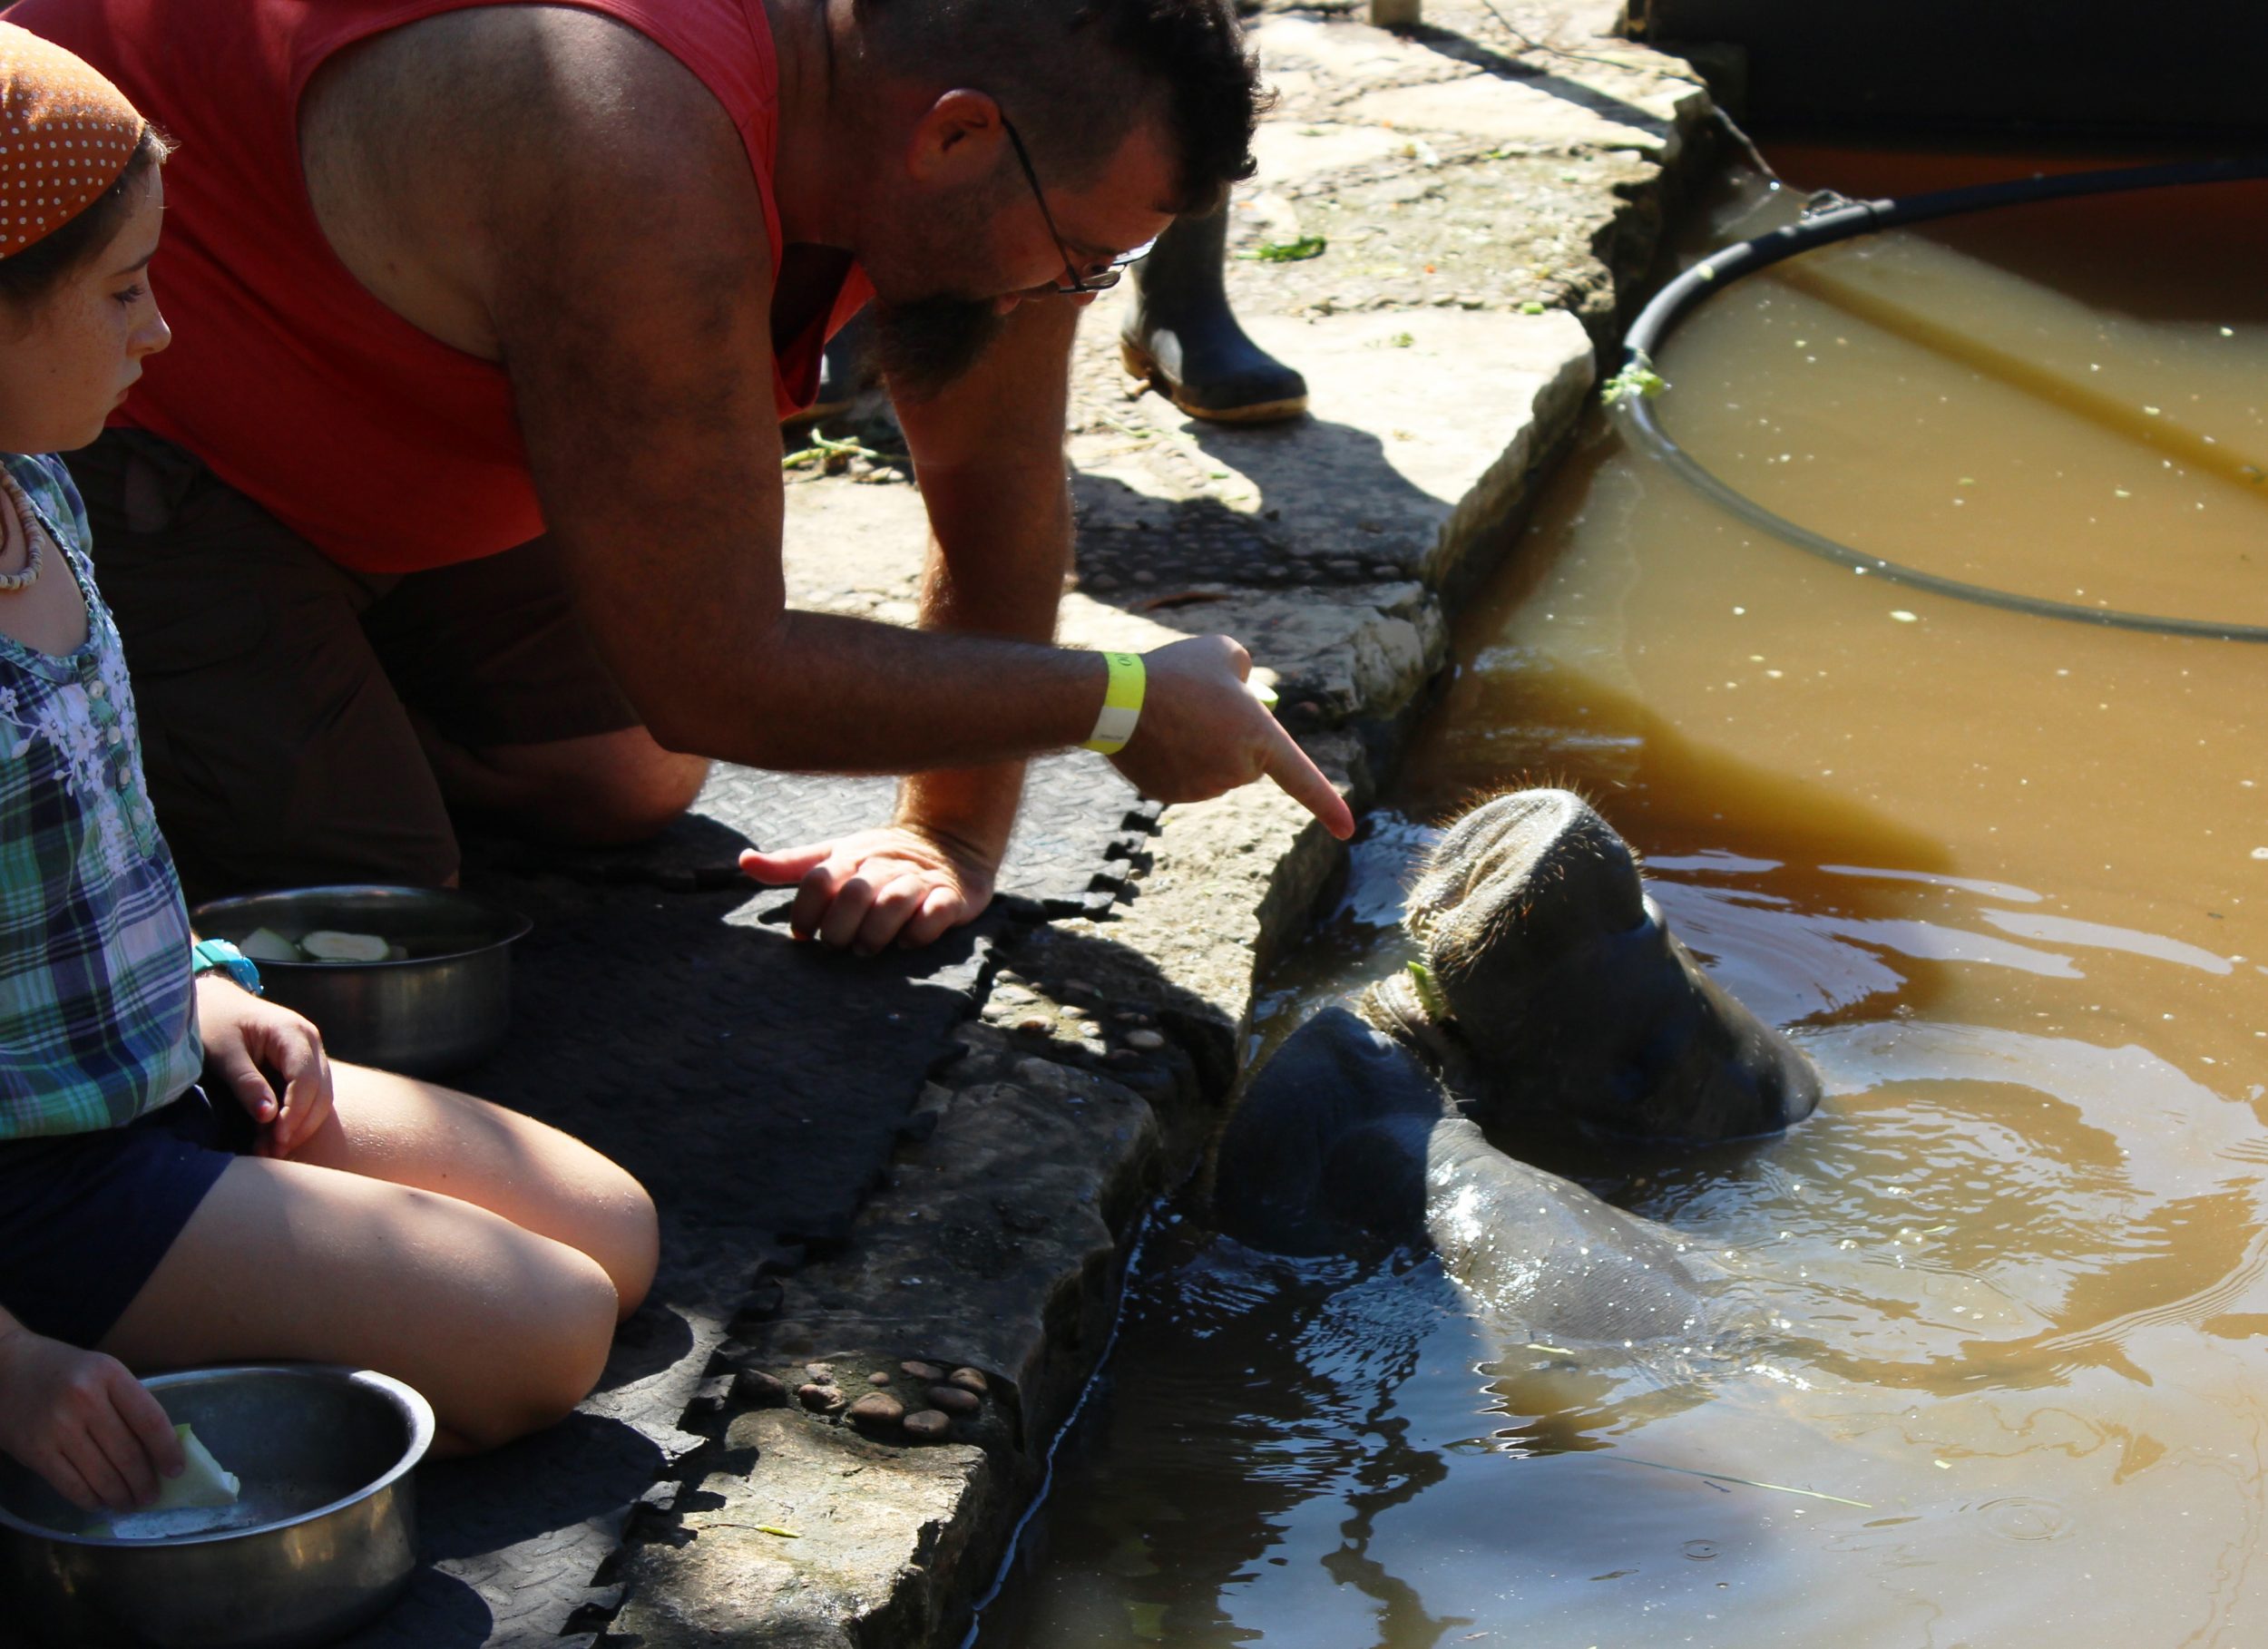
<point x="65" y="136"/>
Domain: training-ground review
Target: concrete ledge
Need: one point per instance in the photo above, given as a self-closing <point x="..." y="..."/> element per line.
<point x="1422" y="424"/>
<point x="837" y="1542"/>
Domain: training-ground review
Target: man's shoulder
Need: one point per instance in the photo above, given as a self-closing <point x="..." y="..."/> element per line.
<point x="564" y="70"/>
<point x="523" y="147"/>
<point x="619" y="122"/>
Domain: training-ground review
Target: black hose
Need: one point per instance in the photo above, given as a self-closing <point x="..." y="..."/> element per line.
<point x="1841" y="222"/>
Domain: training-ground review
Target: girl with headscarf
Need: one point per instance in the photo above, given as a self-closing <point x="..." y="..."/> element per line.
<point x="288" y="1208"/>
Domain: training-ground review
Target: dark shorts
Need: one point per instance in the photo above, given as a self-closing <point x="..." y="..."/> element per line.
<point x="280" y="694"/>
<point x="84" y="1218"/>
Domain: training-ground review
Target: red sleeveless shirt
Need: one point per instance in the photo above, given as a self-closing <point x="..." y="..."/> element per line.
<point x="387" y="449"/>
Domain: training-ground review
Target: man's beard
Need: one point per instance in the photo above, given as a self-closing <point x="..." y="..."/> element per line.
<point x="926" y="343"/>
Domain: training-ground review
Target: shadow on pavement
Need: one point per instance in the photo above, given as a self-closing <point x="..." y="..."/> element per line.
<point x="1333" y="509"/>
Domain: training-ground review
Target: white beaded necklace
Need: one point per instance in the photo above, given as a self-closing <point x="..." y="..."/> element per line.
<point x="16" y="583"/>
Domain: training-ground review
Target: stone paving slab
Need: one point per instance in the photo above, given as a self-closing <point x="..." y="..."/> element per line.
<point x="1463" y="166"/>
<point x="995" y="1247"/>
<point x="1421" y="422"/>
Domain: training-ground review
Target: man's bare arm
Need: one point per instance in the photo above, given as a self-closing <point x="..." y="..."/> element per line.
<point x="989" y="450"/>
<point x="631" y="300"/>
<point x="990" y="454"/>
<point x="611" y="234"/>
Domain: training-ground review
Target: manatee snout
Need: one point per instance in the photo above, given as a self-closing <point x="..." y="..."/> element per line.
<point x="1576" y="1003"/>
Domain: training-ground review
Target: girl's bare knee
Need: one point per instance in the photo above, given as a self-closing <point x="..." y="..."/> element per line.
<point x="575" y="1341"/>
<point x="612" y="1219"/>
<point x="636" y="1251"/>
<point x="550" y="1355"/>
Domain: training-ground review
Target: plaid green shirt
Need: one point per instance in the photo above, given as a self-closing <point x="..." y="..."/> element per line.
<point x="98" y="1021"/>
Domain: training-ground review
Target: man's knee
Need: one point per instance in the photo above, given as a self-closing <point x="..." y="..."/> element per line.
<point x="649" y="799"/>
<point x="600" y="791"/>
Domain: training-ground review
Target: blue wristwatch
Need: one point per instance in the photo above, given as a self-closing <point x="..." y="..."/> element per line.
<point x="210" y="954"/>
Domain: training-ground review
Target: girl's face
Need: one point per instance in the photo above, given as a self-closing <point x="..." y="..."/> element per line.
<point x="67" y="363"/>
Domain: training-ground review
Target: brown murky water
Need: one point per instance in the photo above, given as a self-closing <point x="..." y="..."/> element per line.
<point x="2005" y="878"/>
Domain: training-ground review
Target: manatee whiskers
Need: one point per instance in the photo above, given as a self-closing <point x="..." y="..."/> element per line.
<point x="1410" y="1007"/>
<point x="1520" y="880"/>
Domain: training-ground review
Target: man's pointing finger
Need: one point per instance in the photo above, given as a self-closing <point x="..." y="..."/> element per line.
<point x="1305" y="783"/>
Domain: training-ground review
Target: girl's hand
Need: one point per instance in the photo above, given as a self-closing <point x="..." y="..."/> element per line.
<point x="244" y="1034"/>
<point x="83" y="1423"/>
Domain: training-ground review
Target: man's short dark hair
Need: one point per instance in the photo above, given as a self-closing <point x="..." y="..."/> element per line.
<point x="1075" y="75"/>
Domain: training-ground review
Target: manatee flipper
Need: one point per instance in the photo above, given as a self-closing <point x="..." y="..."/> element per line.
<point x="1538" y="1252"/>
<point x="1328" y="1143"/>
<point x="1345" y="1141"/>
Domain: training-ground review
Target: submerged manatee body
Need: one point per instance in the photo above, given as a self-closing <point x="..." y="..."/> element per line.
<point x="1551" y="998"/>
<point x="1347" y="1141"/>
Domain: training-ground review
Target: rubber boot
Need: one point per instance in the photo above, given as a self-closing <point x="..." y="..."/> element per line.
<point x="1183" y="338"/>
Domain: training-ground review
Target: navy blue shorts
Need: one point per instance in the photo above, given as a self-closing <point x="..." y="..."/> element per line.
<point x="84" y="1218"/>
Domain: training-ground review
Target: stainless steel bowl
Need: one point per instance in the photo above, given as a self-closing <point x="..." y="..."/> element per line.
<point x="447" y="1004"/>
<point x="327" y="1538"/>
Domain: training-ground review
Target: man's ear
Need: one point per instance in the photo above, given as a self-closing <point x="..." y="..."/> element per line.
<point x="957" y="141"/>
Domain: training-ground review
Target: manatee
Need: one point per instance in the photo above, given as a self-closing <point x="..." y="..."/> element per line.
<point x="1554" y="987"/>
<point x="1550" y="997"/>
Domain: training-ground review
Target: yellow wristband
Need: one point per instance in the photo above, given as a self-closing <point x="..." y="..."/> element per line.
<point x="1121" y="704"/>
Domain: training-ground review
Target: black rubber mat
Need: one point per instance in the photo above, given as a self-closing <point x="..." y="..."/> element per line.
<point x="755" y="1084"/>
<point x="1079" y="819"/>
<point x="752" y="1081"/>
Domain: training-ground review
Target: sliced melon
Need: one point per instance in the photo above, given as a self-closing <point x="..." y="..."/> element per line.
<point x="203" y="1481"/>
<point x="197" y="1502"/>
<point x="265" y="944"/>
<point x="326" y="944"/>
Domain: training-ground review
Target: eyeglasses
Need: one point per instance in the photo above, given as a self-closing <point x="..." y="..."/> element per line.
<point x="1073" y="283"/>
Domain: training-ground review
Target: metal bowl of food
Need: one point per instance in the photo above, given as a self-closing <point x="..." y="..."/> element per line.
<point x="322" y="1538"/>
<point x="411" y="979"/>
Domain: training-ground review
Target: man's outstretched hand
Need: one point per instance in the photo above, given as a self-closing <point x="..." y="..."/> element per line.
<point x="1203" y="733"/>
<point x="896" y="885"/>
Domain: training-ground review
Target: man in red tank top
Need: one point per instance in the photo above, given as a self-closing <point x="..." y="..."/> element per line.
<point x="462" y="482"/>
